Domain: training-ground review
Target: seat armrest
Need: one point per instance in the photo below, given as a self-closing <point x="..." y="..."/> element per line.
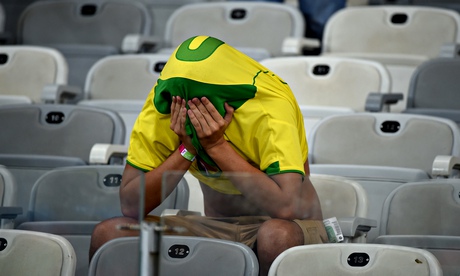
<point x="445" y="166"/>
<point x="61" y="94"/>
<point x="179" y="212"/>
<point x="137" y="43"/>
<point x="102" y="153"/>
<point x="375" y="102"/>
<point x="356" y="228"/>
<point x="296" y="45"/>
<point x="8" y="215"/>
<point x="7" y="212"/>
<point x="450" y="50"/>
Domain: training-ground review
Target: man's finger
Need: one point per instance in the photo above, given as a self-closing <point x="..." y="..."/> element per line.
<point x="211" y="109"/>
<point x="228" y="113"/>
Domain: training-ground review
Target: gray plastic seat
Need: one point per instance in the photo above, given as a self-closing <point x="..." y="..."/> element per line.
<point x="433" y="89"/>
<point x="38" y="138"/>
<point x="98" y="29"/>
<point x="71" y="201"/>
<point x="178" y="256"/>
<point x="424" y="215"/>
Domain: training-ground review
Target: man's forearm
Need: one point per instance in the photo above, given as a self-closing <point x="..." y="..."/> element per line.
<point x="268" y="193"/>
<point x="130" y="190"/>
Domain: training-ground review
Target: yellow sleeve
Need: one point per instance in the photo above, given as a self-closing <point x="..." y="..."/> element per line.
<point x="151" y="141"/>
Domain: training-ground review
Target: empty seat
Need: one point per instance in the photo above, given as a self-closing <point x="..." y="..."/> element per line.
<point x="257" y="29"/>
<point x="177" y="256"/>
<point x="38" y="138"/>
<point x="161" y="10"/>
<point x="34" y="253"/>
<point x="354" y="259"/>
<point x="97" y="29"/>
<point x="433" y="89"/>
<point x="25" y="71"/>
<point x="400" y="37"/>
<point x="330" y="85"/>
<point x="59" y="130"/>
<point x="423" y="215"/>
<point x="71" y="201"/>
<point x="381" y="151"/>
<point x="122" y="83"/>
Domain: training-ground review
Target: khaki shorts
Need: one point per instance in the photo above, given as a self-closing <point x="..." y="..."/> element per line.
<point x="239" y="229"/>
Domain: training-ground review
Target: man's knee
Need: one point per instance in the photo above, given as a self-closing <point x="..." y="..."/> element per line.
<point x="284" y="232"/>
<point x="108" y="230"/>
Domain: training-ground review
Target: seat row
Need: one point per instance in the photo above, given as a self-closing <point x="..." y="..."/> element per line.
<point x="322" y="85"/>
<point x="379" y="151"/>
<point x="407" y="35"/>
<point x="410" y="218"/>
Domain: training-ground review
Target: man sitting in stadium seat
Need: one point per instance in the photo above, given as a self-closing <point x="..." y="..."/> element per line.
<point x="216" y="110"/>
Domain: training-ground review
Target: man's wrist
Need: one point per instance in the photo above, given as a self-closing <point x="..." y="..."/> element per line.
<point x="186" y="154"/>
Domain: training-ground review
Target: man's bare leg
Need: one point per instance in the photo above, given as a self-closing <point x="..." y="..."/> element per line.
<point x="108" y="230"/>
<point x="274" y="237"/>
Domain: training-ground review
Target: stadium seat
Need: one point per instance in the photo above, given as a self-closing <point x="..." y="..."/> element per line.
<point x="177" y="256"/>
<point x="122" y="83"/>
<point x="84" y="31"/>
<point x="355" y="259"/>
<point x="400" y="37"/>
<point x="70" y="201"/>
<point x="32" y="74"/>
<point x="161" y="10"/>
<point x="38" y="138"/>
<point x="421" y="215"/>
<point x="433" y="89"/>
<point x="382" y="151"/>
<point x="257" y="29"/>
<point x="326" y="86"/>
<point x="34" y="253"/>
<point x="345" y="200"/>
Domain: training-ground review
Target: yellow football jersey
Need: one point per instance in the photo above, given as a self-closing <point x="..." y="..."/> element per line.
<point x="267" y="126"/>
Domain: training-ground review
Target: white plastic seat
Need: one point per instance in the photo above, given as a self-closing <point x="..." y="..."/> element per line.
<point x="326" y="86"/>
<point x="26" y="71"/>
<point x="400" y="37"/>
<point x="381" y="151"/>
<point x="354" y="259"/>
<point x="35" y="253"/>
<point x="121" y="83"/>
<point x="258" y="29"/>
